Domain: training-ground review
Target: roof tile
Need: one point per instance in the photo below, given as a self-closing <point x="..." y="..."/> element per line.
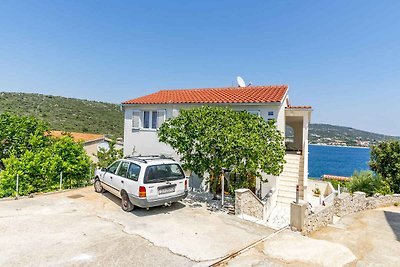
<point x="249" y="94"/>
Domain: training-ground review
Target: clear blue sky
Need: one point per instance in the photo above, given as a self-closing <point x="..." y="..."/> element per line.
<point x="341" y="57"/>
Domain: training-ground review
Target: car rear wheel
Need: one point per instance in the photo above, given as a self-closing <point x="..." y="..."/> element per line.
<point x="98" y="187"/>
<point x="126" y="203"/>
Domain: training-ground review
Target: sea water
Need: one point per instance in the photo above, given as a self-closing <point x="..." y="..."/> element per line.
<point x="334" y="160"/>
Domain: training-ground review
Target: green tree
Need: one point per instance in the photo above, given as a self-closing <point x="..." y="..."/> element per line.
<point x="39" y="158"/>
<point x="211" y="139"/>
<point x="385" y="161"/>
<point x="18" y="134"/>
<point x="106" y="156"/>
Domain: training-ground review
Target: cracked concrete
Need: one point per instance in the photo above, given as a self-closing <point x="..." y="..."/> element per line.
<point x="55" y="230"/>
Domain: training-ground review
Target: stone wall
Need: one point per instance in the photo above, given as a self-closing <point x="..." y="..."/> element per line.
<point x="246" y="203"/>
<point x="318" y="220"/>
<point x="346" y="203"/>
<point x="343" y="205"/>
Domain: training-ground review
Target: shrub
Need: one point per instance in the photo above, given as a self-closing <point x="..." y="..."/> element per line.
<point x="385" y="161"/>
<point x="369" y="183"/>
<point x="396" y="204"/>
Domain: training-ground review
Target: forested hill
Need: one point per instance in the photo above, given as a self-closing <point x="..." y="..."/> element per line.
<point x="76" y="115"/>
<point x="66" y="114"/>
<point x="339" y="135"/>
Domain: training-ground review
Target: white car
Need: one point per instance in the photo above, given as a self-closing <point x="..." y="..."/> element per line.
<point x="143" y="181"/>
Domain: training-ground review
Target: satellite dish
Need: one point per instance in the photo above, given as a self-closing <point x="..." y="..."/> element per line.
<point x="240" y="81"/>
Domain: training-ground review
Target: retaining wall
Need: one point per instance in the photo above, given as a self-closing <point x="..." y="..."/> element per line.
<point x="342" y="205"/>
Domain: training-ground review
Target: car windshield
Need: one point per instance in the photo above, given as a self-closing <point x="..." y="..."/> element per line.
<point x="163" y="173"/>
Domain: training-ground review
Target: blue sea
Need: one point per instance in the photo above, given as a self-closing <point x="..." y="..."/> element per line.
<point x="333" y="160"/>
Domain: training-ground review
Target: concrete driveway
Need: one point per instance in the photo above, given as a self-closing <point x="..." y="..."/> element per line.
<point x="368" y="238"/>
<point x="81" y="227"/>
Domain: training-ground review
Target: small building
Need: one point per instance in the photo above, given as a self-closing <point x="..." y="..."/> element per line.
<point x="144" y="115"/>
<point x="91" y="142"/>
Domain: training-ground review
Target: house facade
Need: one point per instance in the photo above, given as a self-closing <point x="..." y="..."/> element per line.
<point x="144" y="115"/>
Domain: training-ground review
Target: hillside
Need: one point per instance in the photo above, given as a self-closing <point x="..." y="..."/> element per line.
<point x="339" y="135"/>
<point x="76" y="115"/>
<point x="66" y="114"/>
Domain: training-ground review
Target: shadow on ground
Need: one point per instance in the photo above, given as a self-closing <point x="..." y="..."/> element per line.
<point x="393" y="219"/>
<point x="140" y="212"/>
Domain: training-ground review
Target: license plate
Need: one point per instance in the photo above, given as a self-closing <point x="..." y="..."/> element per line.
<point x="166" y="190"/>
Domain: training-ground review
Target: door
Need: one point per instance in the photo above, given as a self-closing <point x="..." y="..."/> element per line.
<point x="120" y="176"/>
<point x="109" y="177"/>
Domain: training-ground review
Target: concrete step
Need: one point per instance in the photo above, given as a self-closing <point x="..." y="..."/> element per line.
<point x="290" y="171"/>
<point x="287" y="187"/>
<point x="285" y="200"/>
<point x="294" y="176"/>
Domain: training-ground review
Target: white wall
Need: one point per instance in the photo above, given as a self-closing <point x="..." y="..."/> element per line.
<point x="145" y="141"/>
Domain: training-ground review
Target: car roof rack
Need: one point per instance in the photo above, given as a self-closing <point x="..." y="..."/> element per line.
<point x="145" y="158"/>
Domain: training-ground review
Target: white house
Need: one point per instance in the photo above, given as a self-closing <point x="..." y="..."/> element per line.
<point x="143" y="115"/>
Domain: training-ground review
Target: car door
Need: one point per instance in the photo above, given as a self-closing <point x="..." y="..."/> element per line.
<point x="109" y="176"/>
<point x="131" y="184"/>
<point x="120" y="177"/>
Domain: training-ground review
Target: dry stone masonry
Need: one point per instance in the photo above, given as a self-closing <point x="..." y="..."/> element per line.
<point x="342" y="205"/>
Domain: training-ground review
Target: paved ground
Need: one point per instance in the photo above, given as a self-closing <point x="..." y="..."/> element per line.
<point x="81" y="227"/>
<point x="369" y="238"/>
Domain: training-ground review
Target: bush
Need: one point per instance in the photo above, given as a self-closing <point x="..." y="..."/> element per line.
<point x="385" y="161"/>
<point x="335" y="183"/>
<point x="39" y="159"/>
<point x="369" y="183"/>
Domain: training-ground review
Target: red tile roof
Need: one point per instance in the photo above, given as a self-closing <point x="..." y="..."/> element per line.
<point x="249" y="94"/>
<point x="84" y="137"/>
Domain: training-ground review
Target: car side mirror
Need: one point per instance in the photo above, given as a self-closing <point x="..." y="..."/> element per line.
<point x="104" y="169"/>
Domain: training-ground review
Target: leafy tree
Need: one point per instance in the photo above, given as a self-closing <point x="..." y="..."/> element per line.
<point x="385" y="160"/>
<point x="211" y="139"/>
<point x="18" y="134"/>
<point x="106" y="156"/>
<point x="39" y="158"/>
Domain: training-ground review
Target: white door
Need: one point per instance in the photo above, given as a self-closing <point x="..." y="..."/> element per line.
<point x="109" y="176"/>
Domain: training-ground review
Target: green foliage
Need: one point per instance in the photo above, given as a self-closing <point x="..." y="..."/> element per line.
<point x="18" y="134"/>
<point x="66" y="114"/>
<point x="396" y="204"/>
<point x="211" y="139"/>
<point x="108" y="156"/>
<point x="369" y="183"/>
<point x="40" y="160"/>
<point x="385" y="161"/>
<point x="335" y="183"/>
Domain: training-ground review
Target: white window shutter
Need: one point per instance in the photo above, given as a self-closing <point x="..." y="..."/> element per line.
<point x="175" y="113"/>
<point x="136" y="119"/>
<point x="160" y="117"/>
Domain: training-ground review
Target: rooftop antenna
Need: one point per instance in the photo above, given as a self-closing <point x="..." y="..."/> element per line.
<point x="240" y="81"/>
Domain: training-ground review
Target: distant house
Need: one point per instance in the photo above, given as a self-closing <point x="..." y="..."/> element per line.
<point x="144" y="115"/>
<point x="91" y="142"/>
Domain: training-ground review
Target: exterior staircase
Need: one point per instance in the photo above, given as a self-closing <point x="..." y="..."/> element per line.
<point x="291" y="176"/>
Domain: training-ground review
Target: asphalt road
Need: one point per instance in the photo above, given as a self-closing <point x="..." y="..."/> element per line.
<point x="83" y="228"/>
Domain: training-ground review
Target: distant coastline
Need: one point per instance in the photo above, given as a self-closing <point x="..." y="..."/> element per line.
<point x="339" y="146"/>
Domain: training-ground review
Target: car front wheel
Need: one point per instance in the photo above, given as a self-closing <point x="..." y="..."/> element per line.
<point x="98" y="187"/>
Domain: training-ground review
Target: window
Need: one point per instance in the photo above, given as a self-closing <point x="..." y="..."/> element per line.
<point x="162" y="173"/>
<point x="270" y="113"/>
<point x="148" y="119"/>
<point x="113" y="167"/>
<point x="133" y="172"/>
<point x="123" y="169"/>
<point x="254" y="112"/>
